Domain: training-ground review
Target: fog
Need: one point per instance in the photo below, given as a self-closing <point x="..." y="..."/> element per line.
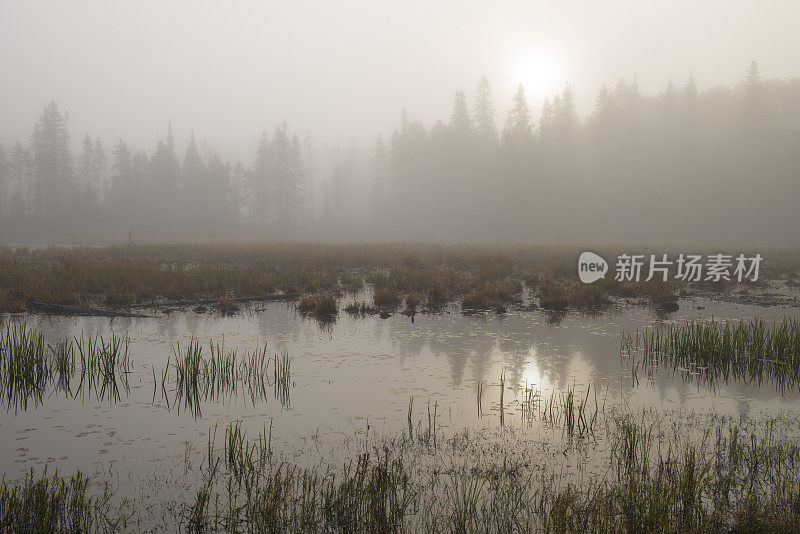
<point x="559" y="122"/>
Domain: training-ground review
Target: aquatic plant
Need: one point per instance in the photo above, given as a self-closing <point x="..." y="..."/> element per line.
<point x="142" y="275"/>
<point x="52" y="504"/>
<point x="464" y="493"/>
<point x="24" y="366"/>
<point x="321" y="306"/>
<point x="224" y="372"/>
<point x="105" y="365"/>
<point x="751" y="351"/>
<point x="730" y="477"/>
<point x="479" y="393"/>
<point x="29" y="367"/>
<point x="412" y="302"/>
<point x="282" y="378"/>
<point x="386" y="298"/>
<point x="475" y="301"/>
<point x="360" y="308"/>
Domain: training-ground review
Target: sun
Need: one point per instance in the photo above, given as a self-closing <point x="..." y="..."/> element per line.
<point x="539" y="71"/>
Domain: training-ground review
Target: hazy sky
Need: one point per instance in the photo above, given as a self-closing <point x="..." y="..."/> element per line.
<point x="228" y="70"/>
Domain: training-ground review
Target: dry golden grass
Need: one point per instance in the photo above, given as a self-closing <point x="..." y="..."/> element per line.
<point x="492" y="274"/>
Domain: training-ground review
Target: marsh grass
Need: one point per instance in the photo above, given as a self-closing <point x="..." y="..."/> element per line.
<point x="387" y="299"/>
<point x="658" y="478"/>
<point x="412" y="303"/>
<point x="321" y="306"/>
<point x="575" y="413"/>
<point x="553" y="295"/>
<point x="25" y="368"/>
<point x="105" y="365"/>
<point x="464" y="493"/>
<point x="751" y="351"/>
<point x="53" y="504"/>
<point x="502" y="395"/>
<point x="200" y="376"/>
<point x="720" y="481"/>
<point x="360" y="308"/>
<point x="475" y="301"/>
<point x="282" y="378"/>
<point x="487" y="277"/>
<point x="29" y="367"/>
<point x="479" y="394"/>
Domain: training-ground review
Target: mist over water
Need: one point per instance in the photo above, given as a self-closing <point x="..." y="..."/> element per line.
<point x="421" y="123"/>
<point x="399" y="267"/>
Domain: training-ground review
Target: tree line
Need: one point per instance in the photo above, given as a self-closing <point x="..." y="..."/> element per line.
<point x="679" y="166"/>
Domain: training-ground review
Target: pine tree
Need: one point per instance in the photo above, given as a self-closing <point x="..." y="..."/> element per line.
<point x="460" y="122"/>
<point x="22" y="174"/>
<point x="379" y="165"/>
<point x="484" y="114"/>
<point x="281" y="177"/>
<point x="379" y="169"/>
<point x="668" y="101"/>
<point x="259" y="182"/>
<point x="52" y="163"/>
<point x="690" y="105"/>
<point x="298" y="184"/>
<point x="222" y="198"/>
<point x="546" y="120"/>
<point x="88" y="178"/>
<point x="166" y="171"/>
<point x="195" y="180"/>
<point x="633" y="105"/>
<point x="753" y="98"/>
<point x="241" y="191"/>
<point x="604" y="110"/>
<point x="519" y="116"/>
<point x="101" y="168"/>
<point x="565" y="117"/>
<point x="122" y="168"/>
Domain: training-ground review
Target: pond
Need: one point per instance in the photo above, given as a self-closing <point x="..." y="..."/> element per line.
<point x="353" y="378"/>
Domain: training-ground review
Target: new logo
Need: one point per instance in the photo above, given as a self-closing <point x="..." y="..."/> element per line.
<point x="591" y="267"/>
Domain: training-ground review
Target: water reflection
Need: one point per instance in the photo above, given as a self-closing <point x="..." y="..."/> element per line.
<point x="530" y="346"/>
<point x="356" y="372"/>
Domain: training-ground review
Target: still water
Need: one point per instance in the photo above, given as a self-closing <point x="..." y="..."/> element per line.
<point x="354" y="377"/>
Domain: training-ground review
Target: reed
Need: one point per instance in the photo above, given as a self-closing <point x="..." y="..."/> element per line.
<point x="321" y="306"/>
<point x="29" y="367"/>
<point x="201" y="376"/>
<point x="25" y="368"/>
<point x="479" y="393"/>
<point x="123" y="276"/>
<point x="729" y="478"/>
<point x="105" y="365"/>
<point x="751" y="351"/>
<point x="502" y="394"/>
<point x="283" y="378"/>
<point x="387" y="299"/>
<point x="410" y="414"/>
<point x="464" y="493"/>
<point x="52" y="504"/>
